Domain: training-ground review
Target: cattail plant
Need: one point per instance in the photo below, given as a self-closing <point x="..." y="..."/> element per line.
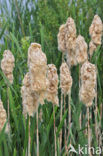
<point x="87" y="91"/>
<point x="7" y="66"/>
<point x="95" y="31"/>
<point x="65" y="84"/>
<point x="81" y="56"/>
<point x="37" y="63"/>
<point x="29" y="102"/>
<point x="52" y="93"/>
<point x="3" y="117"/>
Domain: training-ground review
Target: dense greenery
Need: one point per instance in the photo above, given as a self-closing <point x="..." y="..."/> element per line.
<point x="39" y="21"/>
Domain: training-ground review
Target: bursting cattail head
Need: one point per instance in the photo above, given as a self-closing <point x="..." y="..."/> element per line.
<point x="52" y="90"/>
<point x="81" y="49"/>
<point x="29" y="99"/>
<point x="92" y="48"/>
<point x="37" y="63"/>
<point x="61" y="38"/>
<point x="3" y="116"/>
<point x="65" y="79"/>
<point x="96" y="30"/>
<point x="88" y="83"/>
<point x="70" y="35"/>
<point x="7" y="65"/>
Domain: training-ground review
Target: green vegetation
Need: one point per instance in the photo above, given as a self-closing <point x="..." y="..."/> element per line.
<point x="39" y="21"/>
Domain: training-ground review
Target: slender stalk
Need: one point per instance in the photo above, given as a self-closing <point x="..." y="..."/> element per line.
<point x="29" y="140"/>
<point x="54" y="131"/>
<point x="65" y="125"/>
<point x="18" y="13"/>
<point x="80" y="118"/>
<point x="89" y="132"/>
<point x="37" y="134"/>
<point x="69" y="115"/>
<point x="96" y="109"/>
<point x="8" y="112"/>
<point x="60" y="121"/>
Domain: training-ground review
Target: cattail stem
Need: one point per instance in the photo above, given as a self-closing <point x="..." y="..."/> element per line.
<point x="54" y="131"/>
<point x="80" y="118"/>
<point x="69" y="115"/>
<point x="89" y="132"/>
<point x="65" y="125"/>
<point x="37" y="134"/>
<point x="96" y="109"/>
<point x="60" y="121"/>
<point x="29" y="139"/>
<point x="8" y="112"/>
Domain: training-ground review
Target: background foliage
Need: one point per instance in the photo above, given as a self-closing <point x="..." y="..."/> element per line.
<point x="23" y="22"/>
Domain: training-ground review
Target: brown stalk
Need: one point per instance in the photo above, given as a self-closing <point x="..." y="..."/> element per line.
<point x="29" y="139"/>
<point x="54" y="131"/>
<point x="37" y="134"/>
<point x="60" y="121"/>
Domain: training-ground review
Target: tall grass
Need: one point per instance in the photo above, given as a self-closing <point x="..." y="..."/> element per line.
<point x="40" y="24"/>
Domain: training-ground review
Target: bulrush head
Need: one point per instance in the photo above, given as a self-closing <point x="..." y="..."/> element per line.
<point x="61" y="38"/>
<point x="29" y="100"/>
<point x="37" y="63"/>
<point x="81" y="49"/>
<point x="52" y="90"/>
<point x="96" y="30"/>
<point x="65" y="79"/>
<point x="3" y="117"/>
<point x="7" y="65"/>
<point x="88" y="83"/>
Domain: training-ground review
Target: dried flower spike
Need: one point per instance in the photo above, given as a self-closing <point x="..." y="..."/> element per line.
<point x="65" y="79"/>
<point x="61" y="38"/>
<point x="37" y="63"/>
<point x="96" y="29"/>
<point x="7" y="65"/>
<point x="3" y="116"/>
<point x="81" y="49"/>
<point x="52" y="90"/>
<point x="88" y="83"/>
<point x="29" y="100"/>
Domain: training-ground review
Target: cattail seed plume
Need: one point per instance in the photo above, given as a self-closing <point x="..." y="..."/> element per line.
<point x="88" y="83"/>
<point x="52" y="90"/>
<point x="37" y="63"/>
<point x="65" y="79"/>
<point x="81" y="50"/>
<point x="7" y="65"/>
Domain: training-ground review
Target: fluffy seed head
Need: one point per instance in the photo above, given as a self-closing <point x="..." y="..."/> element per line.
<point x="3" y="117"/>
<point x="37" y="63"/>
<point x="88" y="83"/>
<point x="92" y="48"/>
<point x="52" y="90"/>
<point x="29" y="99"/>
<point x="65" y="79"/>
<point x="7" y="65"/>
<point x="81" y="49"/>
<point x="96" y="30"/>
<point x="61" y="38"/>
